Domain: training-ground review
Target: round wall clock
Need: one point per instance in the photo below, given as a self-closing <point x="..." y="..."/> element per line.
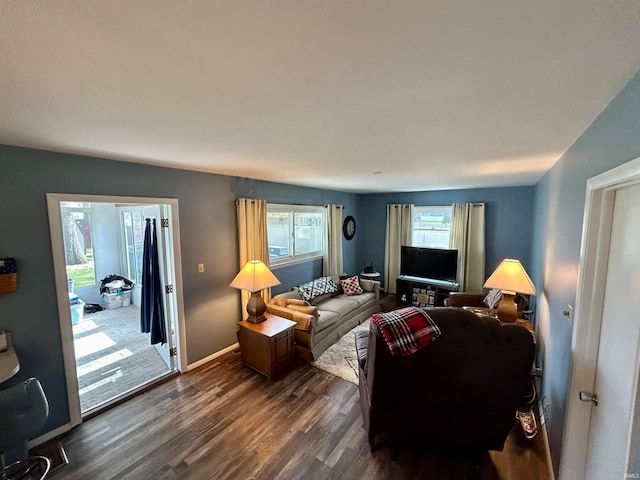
<point x="349" y="227"/>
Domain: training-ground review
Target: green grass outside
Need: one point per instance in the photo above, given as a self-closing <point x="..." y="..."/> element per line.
<point x="82" y="277"/>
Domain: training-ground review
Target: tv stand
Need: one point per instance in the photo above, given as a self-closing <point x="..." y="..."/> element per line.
<point x="424" y="292"/>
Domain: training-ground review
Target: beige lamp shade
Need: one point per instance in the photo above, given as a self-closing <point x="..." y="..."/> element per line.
<point x="255" y="276"/>
<point x="511" y="278"/>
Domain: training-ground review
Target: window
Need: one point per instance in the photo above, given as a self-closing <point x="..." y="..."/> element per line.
<point x="431" y="226"/>
<point x="78" y="242"/>
<point x="294" y="232"/>
<point x="132" y="224"/>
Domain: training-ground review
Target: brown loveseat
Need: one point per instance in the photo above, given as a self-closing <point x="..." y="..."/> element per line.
<point x="461" y="391"/>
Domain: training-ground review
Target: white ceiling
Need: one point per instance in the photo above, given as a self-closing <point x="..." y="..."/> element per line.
<point x="321" y="93"/>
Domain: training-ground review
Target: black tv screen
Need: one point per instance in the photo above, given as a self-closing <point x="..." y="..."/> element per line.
<point x="435" y="263"/>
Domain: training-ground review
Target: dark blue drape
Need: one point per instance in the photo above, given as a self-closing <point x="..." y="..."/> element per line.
<point x="152" y="310"/>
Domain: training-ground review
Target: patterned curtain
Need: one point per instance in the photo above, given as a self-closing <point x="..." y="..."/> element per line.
<point x="252" y="240"/>
<point x="332" y="261"/>
<point x="399" y="233"/>
<point x="467" y="236"/>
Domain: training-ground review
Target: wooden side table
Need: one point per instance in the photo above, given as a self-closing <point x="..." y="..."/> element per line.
<point x="267" y="347"/>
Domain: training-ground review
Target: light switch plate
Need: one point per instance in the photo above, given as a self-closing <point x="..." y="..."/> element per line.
<point x="201" y="268"/>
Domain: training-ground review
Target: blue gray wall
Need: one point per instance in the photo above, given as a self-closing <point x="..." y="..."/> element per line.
<point x="297" y="274"/>
<point x="508" y="221"/>
<point x="611" y="140"/>
<point x="208" y="235"/>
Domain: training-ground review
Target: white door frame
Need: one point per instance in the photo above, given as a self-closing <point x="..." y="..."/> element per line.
<point x="594" y="254"/>
<point x="66" y="331"/>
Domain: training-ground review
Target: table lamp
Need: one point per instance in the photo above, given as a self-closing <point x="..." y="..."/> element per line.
<point x="255" y="276"/>
<point x="511" y="278"/>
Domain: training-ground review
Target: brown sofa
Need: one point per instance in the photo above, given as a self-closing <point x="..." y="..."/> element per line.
<point x="461" y="391"/>
<point x="329" y="317"/>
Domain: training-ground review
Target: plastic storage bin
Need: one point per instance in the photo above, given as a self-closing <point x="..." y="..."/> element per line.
<point x="77" y="308"/>
<point x="116" y="300"/>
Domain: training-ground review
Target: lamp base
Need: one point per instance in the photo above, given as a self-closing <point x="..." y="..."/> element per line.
<point x="256" y="308"/>
<point x="507" y="309"/>
<point x="252" y="319"/>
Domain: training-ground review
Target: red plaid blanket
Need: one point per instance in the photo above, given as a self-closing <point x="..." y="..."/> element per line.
<point x="406" y="330"/>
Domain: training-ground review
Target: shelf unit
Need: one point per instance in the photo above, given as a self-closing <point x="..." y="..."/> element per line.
<point x="423" y="292"/>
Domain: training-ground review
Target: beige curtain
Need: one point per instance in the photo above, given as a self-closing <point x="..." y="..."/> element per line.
<point x="399" y="233"/>
<point x="332" y="260"/>
<point x="252" y="239"/>
<point x="467" y="236"/>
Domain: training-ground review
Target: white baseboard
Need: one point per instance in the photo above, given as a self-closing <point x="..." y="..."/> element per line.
<point x="213" y="356"/>
<point x="545" y="440"/>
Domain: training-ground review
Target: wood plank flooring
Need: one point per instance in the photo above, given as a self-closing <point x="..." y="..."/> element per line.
<point x="225" y="421"/>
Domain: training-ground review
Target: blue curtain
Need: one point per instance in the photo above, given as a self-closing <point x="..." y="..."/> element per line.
<point x="152" y="310"/>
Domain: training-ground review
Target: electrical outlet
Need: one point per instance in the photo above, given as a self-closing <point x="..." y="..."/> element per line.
<point x="201" y="268"/>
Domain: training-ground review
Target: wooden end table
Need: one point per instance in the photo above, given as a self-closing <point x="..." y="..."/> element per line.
<point x="267" y="347"/>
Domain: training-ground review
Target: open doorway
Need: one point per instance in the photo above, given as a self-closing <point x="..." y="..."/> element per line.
<point x="103" y="244"/>
<point x="98" y="255"/>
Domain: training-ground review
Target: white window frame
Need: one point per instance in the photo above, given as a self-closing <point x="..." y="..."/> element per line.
<point x="124" y="242"/>
<point x="445" y="209"/>
<point x="292" y="258"/>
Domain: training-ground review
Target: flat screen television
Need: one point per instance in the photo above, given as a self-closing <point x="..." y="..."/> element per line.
<point x="435" y="263"/>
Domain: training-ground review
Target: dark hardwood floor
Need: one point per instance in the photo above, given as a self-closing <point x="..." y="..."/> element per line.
<point x="225" y="421"/>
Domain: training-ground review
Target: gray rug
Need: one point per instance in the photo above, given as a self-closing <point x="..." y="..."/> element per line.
<point x="340" y="358"/>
